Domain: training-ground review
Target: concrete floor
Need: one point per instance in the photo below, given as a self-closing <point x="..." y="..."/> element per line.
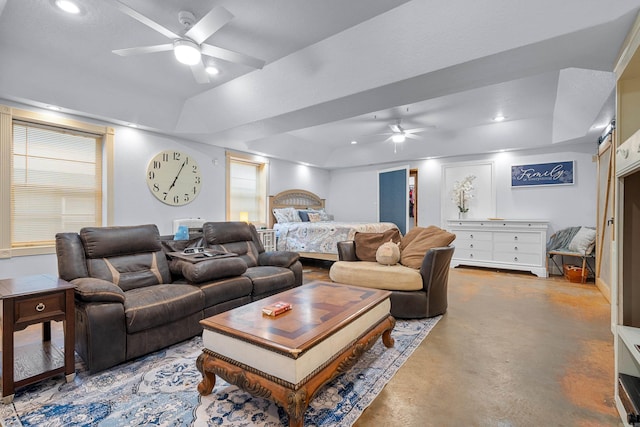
<point x="512" y="350"/>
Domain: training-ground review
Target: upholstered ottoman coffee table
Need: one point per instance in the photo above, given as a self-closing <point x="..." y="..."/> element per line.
<point x="287" y="358"/>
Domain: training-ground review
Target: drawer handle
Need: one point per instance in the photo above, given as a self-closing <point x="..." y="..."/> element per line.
<point x="515" y="248"/>
<point x="471" y="236"/>
<point x="515" y="259"/>
<point x="40" y="307"/>
<point x="470" y="255"/>
<point x="515" y="238"/>
<point x="471" y="245"/>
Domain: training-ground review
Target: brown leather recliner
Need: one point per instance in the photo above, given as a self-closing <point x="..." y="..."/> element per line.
<point x="429" y="301"/>
<point x="130" y="302"/>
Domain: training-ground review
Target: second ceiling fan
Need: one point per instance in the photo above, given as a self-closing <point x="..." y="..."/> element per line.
<point x="189" y="47"/>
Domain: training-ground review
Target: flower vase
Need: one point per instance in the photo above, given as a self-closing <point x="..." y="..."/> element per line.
<point x="462" y="215"/>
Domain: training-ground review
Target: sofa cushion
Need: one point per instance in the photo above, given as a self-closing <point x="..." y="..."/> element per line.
<point x="101" y="242"/>
<point x="373" y="275"/>
<point x="268" y="280"/>
<point x="131" y="271"/>
<point x="421" y="241"/>
<point x="148" y="307"/>
<point x="368" y="243"/>
<point x="90" y="289"/>
<point x="232" y="237"/>
<point x="224" y="290"/>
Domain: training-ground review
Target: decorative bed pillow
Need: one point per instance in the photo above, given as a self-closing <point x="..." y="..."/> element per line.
<point x="388" y="253"/>
<point x="368" y="243"/>
<point x="314" y="217"/>
<point x="286" y="215"/>
<point x="584" y="241"/>
<point x="422" y="240"/>
<point x="324" y="216"/>
<point x="304" y="215"/>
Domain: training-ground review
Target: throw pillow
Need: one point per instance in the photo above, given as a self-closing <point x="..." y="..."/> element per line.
<point x="368" y="243"/>
<point x="584" y="240"/>
<point x="430" y="237"/>
<point x="415" y="232"/>
<point x="314" y="217"/>
<point x="286" y="215"/>
<point x="304" y="215"/>
<point x="388" y="253"/>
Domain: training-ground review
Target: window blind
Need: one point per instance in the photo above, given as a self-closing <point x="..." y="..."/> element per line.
<point x="56" y="182"/>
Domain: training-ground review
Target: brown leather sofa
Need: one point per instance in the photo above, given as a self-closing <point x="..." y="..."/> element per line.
<point x="131" y="299"/>
<point x="427" y="299"/>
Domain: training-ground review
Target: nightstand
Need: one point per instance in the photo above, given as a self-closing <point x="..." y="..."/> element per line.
<point x="268" y="237"/>
<point x="27" y="301"/>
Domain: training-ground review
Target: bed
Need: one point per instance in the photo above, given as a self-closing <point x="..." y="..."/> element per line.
<point x="316" y="238"/>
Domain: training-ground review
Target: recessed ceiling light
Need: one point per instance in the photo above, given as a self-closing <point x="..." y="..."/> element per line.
<point x="499" y="118"/>
<point x="54" y="107"/>
<point x="212" y="70"/>
<point x="354" y="142"/>
<point x="68" y="6"/>
<point x="132" y="125"/>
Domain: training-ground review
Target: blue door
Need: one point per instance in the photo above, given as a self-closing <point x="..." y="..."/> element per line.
<point x="394" y="197"/>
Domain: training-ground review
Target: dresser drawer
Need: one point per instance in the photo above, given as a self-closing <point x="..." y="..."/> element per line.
<point x="516" y="248"/>
<point x="32" y="309"/>
<point x="472" y="254"/>
<point x="464" y="235"/>
<point x="478" y="245"/>
<point x="522" y="237"/>
<point x="517" y="258"/>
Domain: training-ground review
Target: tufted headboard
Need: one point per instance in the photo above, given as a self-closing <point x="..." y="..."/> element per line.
<point x="298" y="199"/>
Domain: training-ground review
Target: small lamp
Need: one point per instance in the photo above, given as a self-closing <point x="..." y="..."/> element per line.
<point x="244" y="216"/>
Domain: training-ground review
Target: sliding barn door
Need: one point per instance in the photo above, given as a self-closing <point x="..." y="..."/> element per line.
<point x="605" y="234"/>
<point x="393" y="197"/>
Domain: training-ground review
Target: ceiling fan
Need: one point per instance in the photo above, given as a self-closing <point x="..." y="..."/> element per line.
<point x="399" y="134"/>
<point x="189" y="47"/>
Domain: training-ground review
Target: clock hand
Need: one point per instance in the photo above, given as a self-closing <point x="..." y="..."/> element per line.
<point x="176" y="178"/>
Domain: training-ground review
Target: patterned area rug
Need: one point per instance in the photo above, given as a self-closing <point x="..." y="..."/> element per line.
<point x="160" y="389"/>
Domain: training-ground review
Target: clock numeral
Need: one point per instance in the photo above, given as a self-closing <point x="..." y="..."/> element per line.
<point x="152" y="175"/>
<point x="176" y="199"/>
<point x="156" y="188"/>
<point x="186" y="197"/>
<point x="195" y="189"/>
<point x="176" y="155"/>
<point x="164" y="196"/>
<point x="197" y="179"/>
<point x="194" y="168"/>
<point x="156" y="164"/>
<point x="165" y="157"/>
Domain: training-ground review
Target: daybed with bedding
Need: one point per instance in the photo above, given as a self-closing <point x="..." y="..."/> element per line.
<point x="302" y="225"/>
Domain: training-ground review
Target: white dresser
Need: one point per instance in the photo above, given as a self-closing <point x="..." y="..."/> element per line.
<point x="513" y="244"/>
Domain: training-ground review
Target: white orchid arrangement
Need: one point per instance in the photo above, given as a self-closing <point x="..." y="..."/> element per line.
<point x="461" y="193"/>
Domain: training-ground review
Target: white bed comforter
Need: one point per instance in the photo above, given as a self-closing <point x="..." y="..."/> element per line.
<point x="322" y="237"/>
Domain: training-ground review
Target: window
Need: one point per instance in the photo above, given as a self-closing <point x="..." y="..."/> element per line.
<point x="52" y="179"/>
<point x="246" y="188"/>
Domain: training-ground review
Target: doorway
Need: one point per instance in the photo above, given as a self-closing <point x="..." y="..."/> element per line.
<point x="413" y="198"/>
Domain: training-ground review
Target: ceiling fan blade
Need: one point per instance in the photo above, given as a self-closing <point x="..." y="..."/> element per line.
<point x="395" y="128"/>
<point x="143" y="19"/>
<point x="412" y="136"/>
<point x="143" y="49"/>
<point x="231" y="56"/>
<point x="418" y="129"/>
<point x="209" y="24"/>
<point x="199" y="73"/>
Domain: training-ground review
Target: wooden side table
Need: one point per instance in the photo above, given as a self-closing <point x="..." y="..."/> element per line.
<point x="27" y="301"/>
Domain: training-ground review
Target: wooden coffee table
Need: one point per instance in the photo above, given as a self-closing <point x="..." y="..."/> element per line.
<point x="288" y="358"/>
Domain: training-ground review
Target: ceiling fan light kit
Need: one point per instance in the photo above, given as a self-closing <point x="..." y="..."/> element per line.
<point x="186" y="52"/>
<point x="398" y="137"/>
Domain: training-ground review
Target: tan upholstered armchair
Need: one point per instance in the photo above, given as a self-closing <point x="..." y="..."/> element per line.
<point x="415" y="292"/>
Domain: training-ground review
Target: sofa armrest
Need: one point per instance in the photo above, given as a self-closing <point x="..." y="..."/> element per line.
<point x="278" y="258"/>
<point x="90" y="289"/>
<point x="347" y="251"/>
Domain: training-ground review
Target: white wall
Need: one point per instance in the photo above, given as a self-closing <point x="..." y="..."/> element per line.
<point x="354" y="191"/>
<point x="134" y="203"/>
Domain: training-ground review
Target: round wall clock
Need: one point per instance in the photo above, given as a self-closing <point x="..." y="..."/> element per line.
<point x="174" y="178"/>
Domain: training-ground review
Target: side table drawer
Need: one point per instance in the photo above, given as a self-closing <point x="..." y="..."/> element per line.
<point x="32" y="309"/>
